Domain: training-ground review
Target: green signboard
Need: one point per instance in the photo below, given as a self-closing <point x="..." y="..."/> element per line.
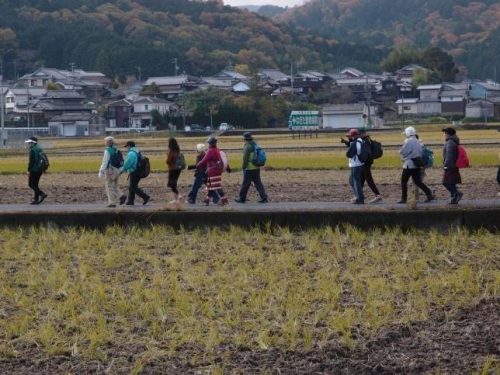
<point x="304" y="120"/>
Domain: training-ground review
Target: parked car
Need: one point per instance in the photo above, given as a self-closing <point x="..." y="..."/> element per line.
<point x="194" y="128"/>
<point x="224" y="126"/>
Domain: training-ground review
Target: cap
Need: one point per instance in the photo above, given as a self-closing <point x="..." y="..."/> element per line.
<point x="200" y="147"/>
<point x="247" y="136"/>
<point x="130" y="144"/>
<point x="212" y="141"/>
<point x="450" y="131"/>
<point x="31" y="140"/>
<point x="352" y="133"/>
<point x="409" y="131"/>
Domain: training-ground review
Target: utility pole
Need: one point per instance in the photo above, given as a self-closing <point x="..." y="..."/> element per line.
<point x="2" y="137"/>
<point x="176" y="67"/>
<point x="291" y="76"/>
<point x="368" y="94"/>
<point x="140" y="75"/>
<point x="28" y="106"/>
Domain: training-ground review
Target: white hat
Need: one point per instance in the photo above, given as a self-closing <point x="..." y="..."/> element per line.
<point x="200" y="147"/>
<point x="409" y="131"/>
<point x="31" y="140"/>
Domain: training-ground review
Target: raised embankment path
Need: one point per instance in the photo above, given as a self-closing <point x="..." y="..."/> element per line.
<point x="471" y="214"/>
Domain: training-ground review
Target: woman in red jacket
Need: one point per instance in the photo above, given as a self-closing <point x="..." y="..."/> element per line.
<point x="213" y="166"/>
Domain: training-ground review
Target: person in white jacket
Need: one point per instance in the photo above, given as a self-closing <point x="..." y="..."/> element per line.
<point x="110" y="169"/>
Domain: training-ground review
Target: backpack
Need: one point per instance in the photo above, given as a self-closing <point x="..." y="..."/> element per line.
<point x="225" y="161"/>
<point x="366" y="151"/>
<point x="143" y="167"/>
<point x="43" y="160"/>
<point x="462" y="158"/>
<point x="180" y="163"/>
<point x="376" y="149"/>
<point x="259" y="156"/>
<point x="427" y="157"/>
<point x="116" y="159"/>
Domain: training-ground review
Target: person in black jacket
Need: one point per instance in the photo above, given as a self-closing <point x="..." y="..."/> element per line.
<point x="451" y="175"/>
<point x="35" y="170"/>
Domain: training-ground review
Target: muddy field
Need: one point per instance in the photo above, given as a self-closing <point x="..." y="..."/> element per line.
<point x="281" y="186"/>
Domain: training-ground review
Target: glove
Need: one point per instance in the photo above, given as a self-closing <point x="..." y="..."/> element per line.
<point x="228" y="169"/>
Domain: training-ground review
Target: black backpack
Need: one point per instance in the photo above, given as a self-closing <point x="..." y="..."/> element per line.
<point x="116" y="160"/>
<point x="143" y="167"/>
<point x="366" y="151"/>
<point x="43" y="160"/>
<point x="376" y="149"/>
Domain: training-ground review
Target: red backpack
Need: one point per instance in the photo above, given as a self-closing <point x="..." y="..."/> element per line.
<point x="462" y="158"/>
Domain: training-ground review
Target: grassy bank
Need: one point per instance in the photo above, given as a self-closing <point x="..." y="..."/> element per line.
<point x="133" y="295"/>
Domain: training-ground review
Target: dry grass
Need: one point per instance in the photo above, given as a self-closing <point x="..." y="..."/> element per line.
<point x="87" y="294"/>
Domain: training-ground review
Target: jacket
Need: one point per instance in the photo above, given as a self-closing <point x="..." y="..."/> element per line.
<point x="248" y="155"/>
<point x="106" y="158"/>
<point x="172" y="160"/>
<point x="34" y="158"/>
<point x="450" y="151"/>
<point x="411" y="149"/>
<point x="209" y="163"/>
<point x="130" y="163"/>
<point x="353" y="151"/>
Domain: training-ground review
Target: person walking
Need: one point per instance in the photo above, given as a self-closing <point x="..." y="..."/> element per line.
<point x="175" y="163"/>
<point x="112" y="160"/>
<point x="451" y="175"/>
<point x="199" y="175"/>
<point x="410" y="152"/>
<point x="130" y="166"/>
<point x="367" y="170"/>
<point x="356" y="165"/>
<point x="35" y="170"/>
<point x="251" y="172"/>
<point x="212" y="165"/>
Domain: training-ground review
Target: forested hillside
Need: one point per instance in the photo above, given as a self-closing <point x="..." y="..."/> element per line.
<point x="468" y="30"/>
<point x="124" y="37"/>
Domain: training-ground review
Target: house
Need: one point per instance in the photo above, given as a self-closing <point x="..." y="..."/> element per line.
<point x="118" y="114"/>
<point x="58" y="102"/>
<point x="172" y="86"/>
<point x="305" y="82"/>
<point x="140" y="116"/>
<point x="76" y="124"/>
<point x="273" y="78"/>
<point x="362" y="88"/>
<point x="69" y="80"/>
<point x="352" y="73"/>
<point x="479" y="109"/>
<point x="496" y="106"/>
<point x="407" y="106"/>
<point x="407" y="72"/>
<point x="484" y="90"/>
<point x="454" y="97"/>
<point x="17" y="99"/>
<point x="346" y="116"/>
<point x="231" y="75"/>
<point x="429" y="103"/>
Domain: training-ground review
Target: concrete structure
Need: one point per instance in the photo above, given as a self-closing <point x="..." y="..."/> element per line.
<point x="76" y="125"/>
<point x="344" y="116"/>
<point x="479" y="109"/>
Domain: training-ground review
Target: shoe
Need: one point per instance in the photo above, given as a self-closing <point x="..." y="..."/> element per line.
<point x="206" y="201"/>
<point x="378" y="198"/>
<point x="429" y="198"/>
<point x="173" y="202"/>
<point x="353" y="199"/>
<point x="42" y="198"/>
<point x="458" y="196"/>
<point x="35" y="202"/>
<point x="190" y="201"/>
<point x="111" y="205"/>
<point x="146" y="200"/>
<point x="123" y="198"/>
<point x="223" y="201"/>
<point x="358" y="202"/>
<point x="402" y="201"/>
<point x="239" y="200"/>
<point x="263" y="201"/>
<point x="129" y="204"/>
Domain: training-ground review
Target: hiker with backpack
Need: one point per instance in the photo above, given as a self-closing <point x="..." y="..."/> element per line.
<point x="411" y="155"/>
<point x="253" y="159"/>
<point x="112" y="161"/>
<point x="212" y="165"/>
<point x="37" y="165"/>
<point x="199" y="175"/>
<point x="451" y="175"/>
<point x="175" y="163"/>
<point x="375" y="153"/>
<point x="133" y="164"/>
<point x="357" y="155"/>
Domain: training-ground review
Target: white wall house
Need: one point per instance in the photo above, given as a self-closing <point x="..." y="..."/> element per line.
<point x="346" y="116"/>
<point x="407" y="106"/>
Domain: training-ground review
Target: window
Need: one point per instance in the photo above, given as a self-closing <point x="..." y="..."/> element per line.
<point x="406" y="107"/>
<point x="146" y="107"/>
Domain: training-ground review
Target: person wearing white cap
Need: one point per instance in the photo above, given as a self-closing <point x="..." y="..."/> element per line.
<point x="112" y="161"/>
<point x="35" y="170"/>
<point x="199" y="175"/>
<point x="411" y="155"/>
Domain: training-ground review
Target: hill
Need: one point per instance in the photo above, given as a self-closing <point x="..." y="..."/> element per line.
<point x="468" y="30"/>
<point x="124" y="37"/>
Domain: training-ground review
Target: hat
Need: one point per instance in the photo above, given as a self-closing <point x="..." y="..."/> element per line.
<point x="450" y="131"/>
<point x="409" y="131"/>
<point x="352" y="133"/>
<point x="130" y="144"/>
<point x="247" y="136"/>
<point x="200" y="147"/>
<point x="31" y="140"/>
<point x="212" y="141"/>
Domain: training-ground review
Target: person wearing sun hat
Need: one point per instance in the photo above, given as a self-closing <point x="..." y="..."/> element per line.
<point x="451" y="174"/>
<point x="35" y="170"/>
<point x="356" y="166"/>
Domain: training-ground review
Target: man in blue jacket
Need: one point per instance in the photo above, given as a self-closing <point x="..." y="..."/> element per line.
<point x="130" y="166"/>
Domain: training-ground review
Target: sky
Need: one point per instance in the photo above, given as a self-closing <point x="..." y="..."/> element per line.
<point x="281" y="3"/>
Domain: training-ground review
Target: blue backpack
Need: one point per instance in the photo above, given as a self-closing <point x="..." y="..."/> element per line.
<point x="116" y="159"/>
<point x="427" y="156"/>
<point x="259" y="156"/>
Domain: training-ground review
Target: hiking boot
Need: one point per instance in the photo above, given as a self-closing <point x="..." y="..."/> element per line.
<point x="402" y="201"/>
<point x="223" y="201"/>
<point x="358" y="202"/>
<point x="146" y="200"/>
<point x="263" y="200"/>
<point x="353" y="199"/>
<point x="378" y="198"/>
<point x="458" y="196"/>
<point x="129" y="204"/>
<point x="190" y="201"/>
<point x="111" y="205"/>
<point x="239" y="200"/>
<point x="42" y="198"/>
<point x="429" y="198"/>
<point x="123" y="198"/>
<point x="34" y="202"/>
